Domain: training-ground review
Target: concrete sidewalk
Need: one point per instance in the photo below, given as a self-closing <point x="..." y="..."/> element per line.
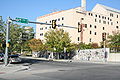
<point x="62" y="60"/>
<point x="10" y="68"/>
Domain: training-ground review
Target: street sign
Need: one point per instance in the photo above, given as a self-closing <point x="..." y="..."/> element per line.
<point x="22" y="20"/>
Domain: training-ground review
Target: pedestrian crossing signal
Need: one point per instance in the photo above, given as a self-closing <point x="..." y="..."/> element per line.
<point x="53" y="24"/>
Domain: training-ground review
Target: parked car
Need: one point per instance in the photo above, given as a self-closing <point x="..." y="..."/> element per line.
<point x="14" y="59"/>
<point x="1" y="56"/>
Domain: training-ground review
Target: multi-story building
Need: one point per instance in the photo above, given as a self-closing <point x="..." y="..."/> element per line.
<point x="101" y="19"/>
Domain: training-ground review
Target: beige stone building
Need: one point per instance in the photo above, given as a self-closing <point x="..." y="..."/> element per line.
<point x="101" y="19"/>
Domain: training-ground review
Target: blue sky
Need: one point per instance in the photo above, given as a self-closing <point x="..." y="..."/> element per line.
<point x="31" y="9"/>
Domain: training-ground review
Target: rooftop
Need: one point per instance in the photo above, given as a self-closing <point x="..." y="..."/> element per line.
<point x="110" y="9"/>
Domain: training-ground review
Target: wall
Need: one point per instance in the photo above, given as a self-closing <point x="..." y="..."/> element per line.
<point x="115" y="57"/>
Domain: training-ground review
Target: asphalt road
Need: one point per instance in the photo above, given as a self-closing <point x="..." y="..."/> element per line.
<point x="49" y="70"/>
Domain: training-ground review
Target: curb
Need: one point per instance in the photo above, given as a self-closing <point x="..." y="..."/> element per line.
<point x="12" y="68"/>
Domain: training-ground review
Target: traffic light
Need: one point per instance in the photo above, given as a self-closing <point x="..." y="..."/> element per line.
<point x="53" y="24"/>
<point x="103" y="36"/>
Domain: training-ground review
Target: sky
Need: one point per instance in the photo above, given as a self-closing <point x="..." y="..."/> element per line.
<point x="31" y="9"/>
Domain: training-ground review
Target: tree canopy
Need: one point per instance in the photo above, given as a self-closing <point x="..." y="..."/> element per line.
<point x="35" y="45"/>
<point x="57" y="40"/>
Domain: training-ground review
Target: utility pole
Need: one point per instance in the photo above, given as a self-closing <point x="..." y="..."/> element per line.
<point x="7" y="39"/>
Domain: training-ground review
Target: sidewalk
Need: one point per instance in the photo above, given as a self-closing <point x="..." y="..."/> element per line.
<point x="62" y="60"/>
<point x="10" y="68"/>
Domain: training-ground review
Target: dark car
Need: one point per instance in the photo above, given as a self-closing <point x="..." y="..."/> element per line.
<point x="1" y="56"/>
<point x="14" y="59"/>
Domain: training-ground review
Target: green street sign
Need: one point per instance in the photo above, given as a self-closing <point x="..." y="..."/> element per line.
<point x="22" y="20"/>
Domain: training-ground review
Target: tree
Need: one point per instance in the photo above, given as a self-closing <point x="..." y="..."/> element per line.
<point x="57" y="40"/>
<point x="114" y="41"/>
<point x="35" y="45"/>
<point x="16" y="40"/>
<point x="84" y="46"/>
<point x="2" y="35"/>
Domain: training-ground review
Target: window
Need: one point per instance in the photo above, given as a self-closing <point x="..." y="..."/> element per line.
<point x="62" y="24"/>
<point x="78" y="38"/>
<point x="95" y="15"/>
<point x="117" y="16"/>
<point x="108" y="18"/>
<point x="99" y="16"/>
<point x="104" y="22"/>
<point x="41" y="28"/>
<point x="90" y="40"/>
<point x="62" y="18"/>
<point x="90" y="25"/>
<point x="95" y="26"/>
<point x="111" y="23"/>
<point x="111" y="14"/>
<point x="45" y="27"/>
<point x="99" y="21"/>
<point x="108" y="23"/>
<point x="102" y="17"/>
<point x="90" y="32"/>
<point x="91" y="14"/>
<point x="105" y="17"/>
<point x="95" y="20"/>
<point x="41" y="34"/>
<point x="59" y="19"/>
<point x="88" y="13"/>
<point x="50" y="21"/>
<point x="85" y="25"/>
<point x="50" y="27"/>
<point x="95" y="33"/>
<point x="103" y="28"/>
<point x="117" y="27"/>
<point x="82" y="18"/>
<point x="117" y="22"/>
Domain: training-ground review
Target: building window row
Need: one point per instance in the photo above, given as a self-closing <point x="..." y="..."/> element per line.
<point x="94" y="26"/>
<point x="111" y="15"/>
<point x="41" y="34"/>
<point x="59" y="19"/>
<point x="100" y="16"/>
<point x="41" y="28"/>
<point x="95" y="33"/>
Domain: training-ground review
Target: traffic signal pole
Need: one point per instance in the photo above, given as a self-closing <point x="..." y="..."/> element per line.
<point x="7" y="38"/>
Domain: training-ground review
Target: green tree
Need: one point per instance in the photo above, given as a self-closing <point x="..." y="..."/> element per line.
<point x="84" y="46"/>
<point x="57" y="40"/>
<point x="16" y="40"/>
<point x="2" y="35"/>
<point x="114" y="41"/>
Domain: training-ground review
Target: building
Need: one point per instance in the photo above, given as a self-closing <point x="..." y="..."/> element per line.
<point x="93" y="24"/>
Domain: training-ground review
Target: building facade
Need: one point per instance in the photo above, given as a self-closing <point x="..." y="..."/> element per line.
<point x="93" y="24"/>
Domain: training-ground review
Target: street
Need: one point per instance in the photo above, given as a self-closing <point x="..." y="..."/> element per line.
<point x="50" y="70"/>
